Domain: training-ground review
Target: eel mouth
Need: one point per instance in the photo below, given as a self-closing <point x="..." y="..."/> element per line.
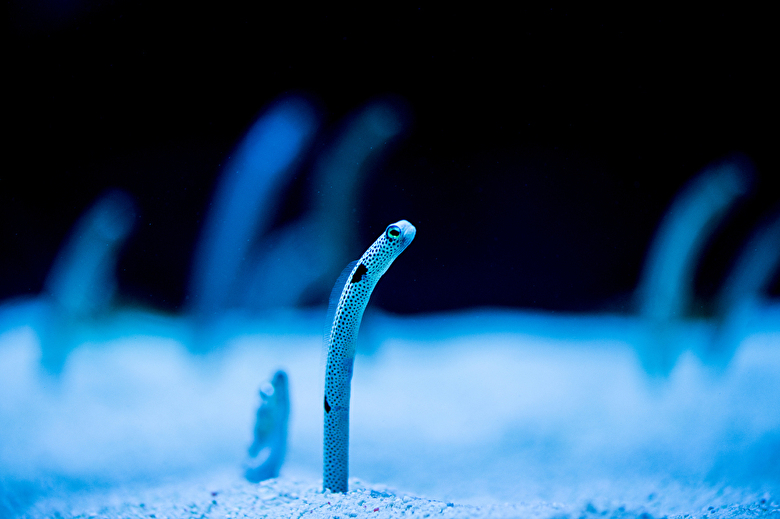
<point x="408" y="232"/>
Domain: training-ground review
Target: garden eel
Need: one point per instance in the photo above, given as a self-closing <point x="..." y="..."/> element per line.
<point x="348" y="300"/>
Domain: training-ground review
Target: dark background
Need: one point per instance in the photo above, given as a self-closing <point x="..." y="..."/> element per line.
<point x="546" y="143"/>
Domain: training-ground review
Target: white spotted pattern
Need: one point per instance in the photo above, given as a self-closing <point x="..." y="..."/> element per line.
<point x="353" y="290"/>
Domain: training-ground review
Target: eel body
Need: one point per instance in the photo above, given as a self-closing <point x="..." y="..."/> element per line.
<point x="347" y="302"/>
<point x="266" y="454"/>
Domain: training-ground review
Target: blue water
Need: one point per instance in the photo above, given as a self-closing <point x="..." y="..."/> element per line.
<point x="476" y="405"/>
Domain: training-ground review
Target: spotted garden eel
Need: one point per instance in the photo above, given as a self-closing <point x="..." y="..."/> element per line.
<point x="347" y="303"/>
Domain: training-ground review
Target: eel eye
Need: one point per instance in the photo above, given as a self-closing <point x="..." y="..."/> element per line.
<point x="393" y="231"/>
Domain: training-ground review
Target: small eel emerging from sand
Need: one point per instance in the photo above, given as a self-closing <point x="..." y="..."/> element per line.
<point x="347" y="303"/>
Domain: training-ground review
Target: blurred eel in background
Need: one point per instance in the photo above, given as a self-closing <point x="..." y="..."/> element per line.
<point x="82" y="281"/>
<point x="665" y="290"/>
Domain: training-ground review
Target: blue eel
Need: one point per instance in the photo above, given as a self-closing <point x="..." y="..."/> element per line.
<point x="347" y="303"/>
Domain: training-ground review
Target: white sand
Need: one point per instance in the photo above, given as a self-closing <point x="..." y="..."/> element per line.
<point x="555" y="416"/>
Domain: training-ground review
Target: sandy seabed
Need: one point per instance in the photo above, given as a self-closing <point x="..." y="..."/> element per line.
<point x="292" y="498"/>
<point x="477" y="414"/>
